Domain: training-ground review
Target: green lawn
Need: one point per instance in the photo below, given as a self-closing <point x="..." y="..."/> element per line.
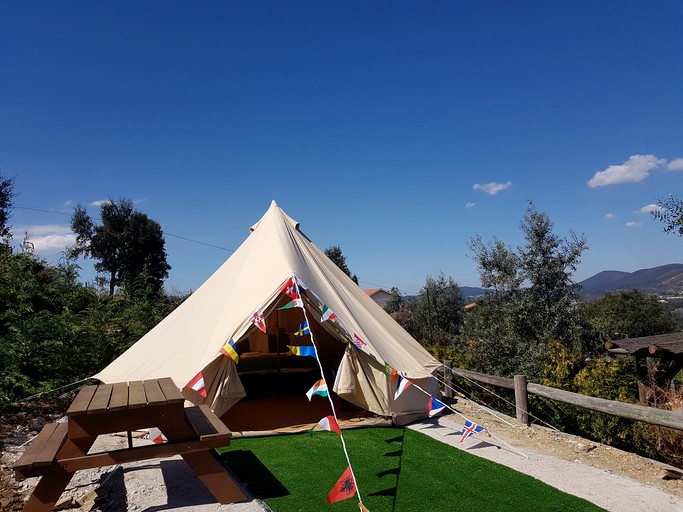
<point x="397" y="470"/>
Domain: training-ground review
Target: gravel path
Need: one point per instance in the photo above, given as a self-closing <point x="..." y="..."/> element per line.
<point x="610" y="478"/>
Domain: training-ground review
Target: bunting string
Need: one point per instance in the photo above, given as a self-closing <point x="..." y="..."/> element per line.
<point x="502" y="441"/>
<point x="442" y="381"/>
<point x="329" y="395"/>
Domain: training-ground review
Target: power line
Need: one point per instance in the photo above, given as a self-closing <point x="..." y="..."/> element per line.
<point x="55" y="212"/>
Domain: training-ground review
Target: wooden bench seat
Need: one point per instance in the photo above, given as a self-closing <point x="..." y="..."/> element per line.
<point x="42" y="451"/>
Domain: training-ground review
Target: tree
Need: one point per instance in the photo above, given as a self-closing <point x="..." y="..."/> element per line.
<point x="128" y="244"/>
<point x="623" y="314"/>
<point x="334" y="252"/>
<point x="529" y="300"/>
<point x="671" y="214"/>
<point x="6" y="197"/>
<point x="438" y="310"/>
<point x="395" y="302"/>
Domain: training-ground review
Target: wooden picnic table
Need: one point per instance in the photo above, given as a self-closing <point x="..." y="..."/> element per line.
<point x="61" y="449"/>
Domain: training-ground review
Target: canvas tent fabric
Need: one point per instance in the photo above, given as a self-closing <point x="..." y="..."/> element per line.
<point x="190" y="338"/>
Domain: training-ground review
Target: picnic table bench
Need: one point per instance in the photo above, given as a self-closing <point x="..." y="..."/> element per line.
<point x="61" y="449"/>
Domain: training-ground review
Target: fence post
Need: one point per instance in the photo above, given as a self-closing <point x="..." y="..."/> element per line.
<point x="521" y="399"/>
<point x="448" y="378"/>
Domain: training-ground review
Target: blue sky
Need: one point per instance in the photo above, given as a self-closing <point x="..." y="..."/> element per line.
<point x="398" y="130"/>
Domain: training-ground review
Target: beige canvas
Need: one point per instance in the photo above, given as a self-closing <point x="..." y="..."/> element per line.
<point x="189" y="339"/>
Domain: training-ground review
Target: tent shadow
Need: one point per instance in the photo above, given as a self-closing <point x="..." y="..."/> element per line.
<point x="258" y="479"/>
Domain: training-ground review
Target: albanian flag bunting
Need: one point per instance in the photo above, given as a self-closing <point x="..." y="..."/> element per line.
<point x="344" y="488"/>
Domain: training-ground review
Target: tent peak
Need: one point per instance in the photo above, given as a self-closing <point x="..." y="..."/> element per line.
<point x="272" y="214"/>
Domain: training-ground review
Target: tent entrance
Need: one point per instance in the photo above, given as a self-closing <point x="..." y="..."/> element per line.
<point x="292" y="414"/>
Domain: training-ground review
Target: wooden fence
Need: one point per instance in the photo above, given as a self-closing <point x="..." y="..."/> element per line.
<point x="522" y="388"/>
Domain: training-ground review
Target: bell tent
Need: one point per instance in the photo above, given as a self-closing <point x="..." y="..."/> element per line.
<point x="273" y="318"/>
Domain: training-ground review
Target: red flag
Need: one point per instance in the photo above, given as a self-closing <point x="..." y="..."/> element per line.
<point x="197" y="383"/>
<point x="344" y="488"/>
<point x="290" y="289"/>
<point x="258" y="320"/>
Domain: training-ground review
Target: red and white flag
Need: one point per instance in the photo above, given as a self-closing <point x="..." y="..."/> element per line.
<point x="258" y="320"/>
<point x="154" y="434"/>
<point x="290" y="288"/>
<point x="330" y="424"/>
<point x="197" y="383"/>
<point x="328" y="314"/>
<point x="358" y="341"/>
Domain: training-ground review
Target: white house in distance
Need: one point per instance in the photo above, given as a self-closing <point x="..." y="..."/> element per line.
<point x="380" y="296"/>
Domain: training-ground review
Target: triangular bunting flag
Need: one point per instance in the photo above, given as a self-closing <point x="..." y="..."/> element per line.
<point x="154" y="434"/>
<point x="230" y="349"/>
<point x="319" y="388"/>
<point x="258" y="320"/>
<point x="329" y="423"/>
<point x="197" y="383"/>
<point x="289" y="288"/>
<point x="470" y="429"/>
<point x="296" y="303"/>
<point x="389" y="372"/>
<point x="328" y="314"/>
<point x="403" y="384"/>
<point x="434" y="406"/>
<point x="357" y="340"/>
<point x="344" y="488"/>
<point x="303" y="330"/>
<point x="302" y="350"/>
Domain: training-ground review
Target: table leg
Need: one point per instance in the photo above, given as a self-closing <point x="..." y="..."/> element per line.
<point x="215" y="477"/>
<point x="53" y="483"/>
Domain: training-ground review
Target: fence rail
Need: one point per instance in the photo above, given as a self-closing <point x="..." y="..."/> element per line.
<point x="522" y="388"/>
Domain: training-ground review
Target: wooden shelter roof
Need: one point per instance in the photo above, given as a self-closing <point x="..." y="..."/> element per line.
<point x="660" y="345"/>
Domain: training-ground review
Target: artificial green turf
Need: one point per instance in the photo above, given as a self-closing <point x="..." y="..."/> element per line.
<point x="397" y="470"/>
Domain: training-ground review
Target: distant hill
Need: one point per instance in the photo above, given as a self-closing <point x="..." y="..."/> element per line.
<point x="470" y="292"/>
<point x="662" y="280"/>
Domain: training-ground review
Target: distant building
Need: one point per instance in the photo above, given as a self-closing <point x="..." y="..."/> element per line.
<point x="380" y="296"/>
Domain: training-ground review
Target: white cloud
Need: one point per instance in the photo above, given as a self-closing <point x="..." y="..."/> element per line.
<point x="633" y="224"/>
<point x="470" y="205"/>
<point x="635" y="169"/>
<point x="649" y="208"/>
<point x="492" y="188"/>
<point x="100" y="202"/>
<point x="46" y="238"/>
<point x="610" y="216"/>
<point x="676" y="165"/>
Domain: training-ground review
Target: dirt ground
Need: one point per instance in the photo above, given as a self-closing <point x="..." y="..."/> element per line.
<point x="572" y="448"/>
<point x="647" y="476"/>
